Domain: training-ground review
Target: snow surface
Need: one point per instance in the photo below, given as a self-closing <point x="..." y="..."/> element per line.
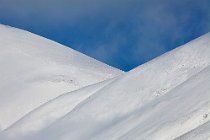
<point x="164" y="99"/>
<point x="34" y="70"/>
<point x="200" y="133"/>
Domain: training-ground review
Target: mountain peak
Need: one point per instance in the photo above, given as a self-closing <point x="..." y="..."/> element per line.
<point x="166" y="98"/>
<point x="40" y="70"/>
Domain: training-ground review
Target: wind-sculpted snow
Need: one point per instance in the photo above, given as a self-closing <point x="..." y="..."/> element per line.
<point x="164" y="99"/>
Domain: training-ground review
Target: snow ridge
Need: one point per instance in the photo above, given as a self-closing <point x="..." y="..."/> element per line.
<point x="166" y="98"/>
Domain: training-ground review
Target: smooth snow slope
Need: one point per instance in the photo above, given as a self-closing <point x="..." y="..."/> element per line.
<point x="55" y="109"/>
<point x="34" y="70"/>
<point x="164" y="99"/>
<point x="132" y="106"/>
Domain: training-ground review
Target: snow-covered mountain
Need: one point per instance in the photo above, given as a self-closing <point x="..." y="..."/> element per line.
<point x="34" y="70"/>
<point x="164" y="99"/>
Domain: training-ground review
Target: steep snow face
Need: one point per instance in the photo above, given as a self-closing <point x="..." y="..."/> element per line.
<point x="34" y="70"/>
<point x="162" y="99"/>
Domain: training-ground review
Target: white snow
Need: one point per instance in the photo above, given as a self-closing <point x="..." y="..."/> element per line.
<point x="34" y="70"/>
<point x="164" y="99"/>
<point x="200" y="133"/>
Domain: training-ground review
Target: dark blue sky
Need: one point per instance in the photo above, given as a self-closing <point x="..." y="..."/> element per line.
<point x="121" y="33"/>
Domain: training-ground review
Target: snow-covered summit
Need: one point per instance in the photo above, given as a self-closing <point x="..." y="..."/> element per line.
<point x="164" y="99"/>
<point x="34" y="70"/>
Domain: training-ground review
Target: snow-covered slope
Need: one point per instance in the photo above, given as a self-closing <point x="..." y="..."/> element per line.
<point x="55" y="109"/>
<point x="164" y="99"/>
<point x="200" y="133"/>
<point x="34" y="70"/>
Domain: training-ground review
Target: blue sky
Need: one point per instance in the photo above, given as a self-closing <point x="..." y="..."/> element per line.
<point x="121" y="33"/>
